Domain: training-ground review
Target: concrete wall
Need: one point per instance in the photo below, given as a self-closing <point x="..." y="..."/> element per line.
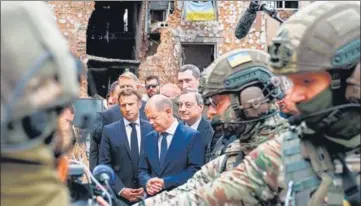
<point x="73" y="16"/>
<point x="167" y="60"/>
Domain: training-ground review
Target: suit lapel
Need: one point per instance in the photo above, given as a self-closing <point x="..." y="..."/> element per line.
<point x="203" y="125"/>
<point x="203" y="128"/>
<point x="153" y="153"/>
<point x="174" y="144"/>
<point x="123" y="136"/>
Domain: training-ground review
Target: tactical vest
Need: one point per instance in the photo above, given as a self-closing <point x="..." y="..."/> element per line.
<point x="233" y="156"/>
<point x="215" y="150"/>
<point x="235" y="151"/>
<point x="314" y="177"/>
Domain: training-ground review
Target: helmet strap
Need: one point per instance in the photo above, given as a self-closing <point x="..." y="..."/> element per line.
<point x="235" y="104"/>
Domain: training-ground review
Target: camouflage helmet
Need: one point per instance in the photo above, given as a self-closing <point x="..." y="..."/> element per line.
<point x="236" y="70"/>
<point x="323" y="35"/>
<point x="39" y="75"/>
<point x="243" y="74"/>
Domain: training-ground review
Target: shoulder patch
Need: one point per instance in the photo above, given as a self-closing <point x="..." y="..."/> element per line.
<point x="239" y="58"/>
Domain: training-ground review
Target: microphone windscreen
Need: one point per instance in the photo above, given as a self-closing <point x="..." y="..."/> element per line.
<point x="104" y="169"/>
<point x="245" y="23"/>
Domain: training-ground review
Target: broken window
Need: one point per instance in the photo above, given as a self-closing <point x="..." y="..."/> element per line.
<point x="201" y="55"/>
<point x="158" y="5"/>
<point x="286" y="4"/>
<point x="157" y="15"/>
<point x="158" y="12"/>
<point x="110" y="30"/>
<point x="111" y="42"/>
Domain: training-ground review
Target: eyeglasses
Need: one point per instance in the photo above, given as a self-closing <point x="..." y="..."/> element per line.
<point x="151" y="86"/>
<point x="188" y="105"/>
<point x="213" y="101"/>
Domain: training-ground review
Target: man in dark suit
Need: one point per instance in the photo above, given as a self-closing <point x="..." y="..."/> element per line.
<point x="121" y="144"/>
<point x="190" y="105"/>
<point x="172" y="153"/>
<point x="113" y="114"/>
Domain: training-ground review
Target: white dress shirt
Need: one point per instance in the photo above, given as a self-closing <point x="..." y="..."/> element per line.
<point x="128" y="130"/>
<point x="196" y="124"/>
<point x="171" y="131"/>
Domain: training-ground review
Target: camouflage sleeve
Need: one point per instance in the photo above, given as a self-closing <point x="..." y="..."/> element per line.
<point x="255" y="179"/>
<point x="206" y="174"/>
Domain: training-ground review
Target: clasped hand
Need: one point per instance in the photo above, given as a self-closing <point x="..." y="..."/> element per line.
<point x="132" y="195"/>
<point x="154" y="186"/>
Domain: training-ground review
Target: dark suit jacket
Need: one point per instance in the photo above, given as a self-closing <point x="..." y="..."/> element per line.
<point x="206" y="131"/>
<point x="115" y="152"/>
<point x="109" y="116"/>
<point x="184" y="157"/>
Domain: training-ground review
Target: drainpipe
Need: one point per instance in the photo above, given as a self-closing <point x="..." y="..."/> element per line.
<point x="168" y="11"/>
<point x="146" y="18"/>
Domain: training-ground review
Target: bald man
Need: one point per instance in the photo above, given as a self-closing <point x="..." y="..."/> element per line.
<point x="172" y="152"/>
<point x="172" y="91"/>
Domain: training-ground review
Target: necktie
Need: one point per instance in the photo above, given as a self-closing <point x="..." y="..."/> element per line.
<point x="134" y="150"/>
<point x="163" y="148"/>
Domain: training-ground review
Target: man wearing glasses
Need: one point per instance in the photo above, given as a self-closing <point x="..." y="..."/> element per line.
<point x="152" y="86"/>
<point x="190" y="105"/>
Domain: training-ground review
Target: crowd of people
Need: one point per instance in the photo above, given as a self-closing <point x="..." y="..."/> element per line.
<point x="126" y="135"/>
<point x="254" y="128"/>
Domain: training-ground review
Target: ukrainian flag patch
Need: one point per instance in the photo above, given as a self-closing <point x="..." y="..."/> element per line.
<point x="239" y="58"/>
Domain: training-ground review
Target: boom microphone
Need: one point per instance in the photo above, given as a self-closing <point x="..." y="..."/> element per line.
<point x="270" y="11"/>
<point x="246" y="20"/>
<point x="249" y="16"/>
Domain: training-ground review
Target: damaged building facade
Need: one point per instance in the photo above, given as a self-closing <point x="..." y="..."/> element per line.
<point x="157" y="37"/>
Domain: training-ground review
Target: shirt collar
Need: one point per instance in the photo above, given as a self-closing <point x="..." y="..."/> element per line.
<point x="126" y="122"/>
<point x="196" y="124"/>
<point x="173" y="127"/>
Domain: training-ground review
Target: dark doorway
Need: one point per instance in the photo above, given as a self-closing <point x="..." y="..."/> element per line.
<point x="111" y="41"/>
<point x="201" y="55"/>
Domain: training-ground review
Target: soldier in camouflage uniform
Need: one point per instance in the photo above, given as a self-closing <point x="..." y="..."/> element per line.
<point x="314" y="163"/>
<point x="254" y="106"/>
<point x="38" y="79"/>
